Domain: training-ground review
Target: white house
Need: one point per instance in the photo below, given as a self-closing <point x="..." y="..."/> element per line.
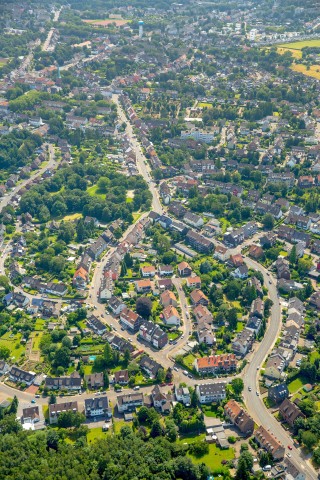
<point x="211" y="392"/>
<point x="171" y="316"/>
<point x="182" y="395"/>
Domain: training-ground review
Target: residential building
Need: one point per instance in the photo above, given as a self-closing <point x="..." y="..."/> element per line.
<point x="80" y="278"/>
<point x="211" y="392"/>
<point x="243" y="342"/>
<point x="143" y="286"/>
<point x="168" y="298"/>
<point x="18" y="375"/>
<point x="130" y="320"/>
<point x="182" y="395"/>
<point x="165" y="270"/>
<point x="116" y="305"/>
<point x="129" y="402"/>
<point x="274" y="367"/>
<point x="197" y="297"/>
<point x="97" y="407"/>
<point x="241" y="272"/>
<point x="94" y="380"/>
<point x="202" y="314"/>
<point x="193" y="282"/>
<point x="73" y="382"/>
<point x="161" y="400"/>
<point x="257" y="308"/>
<point x="193" y="220"/>
<point x="96" y="325"/>
<point x="239" y="417"/>
<point x="269" y="442"/>
<point x="151" y="367"/>
<point x="278" y="393"/>
<point x="30" y="414"/>
<point x="153" y="334"/>
<point x="216" y="363"/>
<point x="121" y="377"/>
<point x="148" y="271"/>
<point x="97" y="248"/>
<point x="184" y="269"/>
<point x="199" y="242"/>
<point x="56" y="409"/>
<point x="170" y="316"/>
<point x="290" y="412"/>
<point x="221" y="253"/>
<point x="254" y="324"/>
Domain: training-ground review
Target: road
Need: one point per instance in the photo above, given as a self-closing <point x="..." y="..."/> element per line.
<point x="142" y="163"/>
<point x="254" y="403"/>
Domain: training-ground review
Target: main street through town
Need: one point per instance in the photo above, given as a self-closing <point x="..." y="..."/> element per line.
<point x="250" y="375"/>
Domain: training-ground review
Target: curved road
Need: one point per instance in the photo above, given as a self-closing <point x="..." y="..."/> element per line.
<point x="254" y="403"/>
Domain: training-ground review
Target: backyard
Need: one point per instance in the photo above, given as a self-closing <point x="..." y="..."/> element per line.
<point x="13" y="342"/>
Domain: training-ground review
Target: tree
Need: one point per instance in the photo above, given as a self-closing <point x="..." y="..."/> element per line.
<point x="245" y="465"/>
<point x="237" y="386"/>
<point x="4" y="352"/>
<point x="14" y="405"/>
<point x="9" y="424"/>
<point x="232" y="318"/>
<point x="126" y="358"/>
<point x="143" y="415"/>
<point x="144" y="307"/>
<point x="156" y="429"/>
<point x="52" y="399"/>
<point x="293" y="255"/>
<point x="106" y="381"/>
<point x="309" y="439"/>
<point x="304" y="265"/>
<point x="108" y="355"/>
<point x="52" y="439"/>
<point x="199" y="448"/>
<point x="194" y="398"/>
<point x="268" y="221"/>
<point x="161" y="375"/>
<point x="62" y="357"/>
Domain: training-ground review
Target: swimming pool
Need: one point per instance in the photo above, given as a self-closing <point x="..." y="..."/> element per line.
<point x="92" y="358"/>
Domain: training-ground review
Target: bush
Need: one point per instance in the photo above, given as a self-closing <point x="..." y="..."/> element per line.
<point x="232" y="439"/>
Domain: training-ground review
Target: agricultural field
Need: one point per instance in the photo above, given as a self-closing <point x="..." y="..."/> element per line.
<point x="107" y="22"/>
<point x="300" y="45"/>
<point x="295" y="53"/>
<point x="313" y="71"/>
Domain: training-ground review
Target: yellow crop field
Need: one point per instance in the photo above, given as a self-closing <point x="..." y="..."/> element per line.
<point x="314" y="70"/>
<point x="295" y="53"/>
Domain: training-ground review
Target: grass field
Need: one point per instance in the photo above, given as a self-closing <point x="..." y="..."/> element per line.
<point x="300" y="45"/>
<point x="36" y="339"/>
<point x="295" y="53"/>
<point x="94" y="192"/>
<point x="296" y="384"/>
<point x="12" y="342"/>
<point x="74" y="216"/>
<point x="204" y="105"/>
<point x="109" y="21"/>
<point x="97" y="434"/>
<point x="215" y="456"/>
<point x="314" y="70"/>
<point x="40" y="323"/>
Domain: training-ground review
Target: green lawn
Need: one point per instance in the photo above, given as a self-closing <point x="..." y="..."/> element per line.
<point x="136" y="216"/>
<point x="40" y="323"/>
<point x="301" y="45"/>
<point x="215" y="456"/>
<point x="296" y="384"/>
<point x="314" y="355"/>
<point x="36" y="340"/>
<point x="13" y="343"/>
<point x="121" y="423"/>
<point x="189" y="360"/>
<point x="97" y="434"/>
<point x="94" y="192"/>
<point x="208" y="411"/>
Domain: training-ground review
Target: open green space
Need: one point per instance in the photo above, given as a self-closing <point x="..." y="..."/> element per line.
<point x="13" y="342"/>
<point x="301" y="45"/>
<point x="296" y="384"/>
<point x="40" y="323"/>
<point x="97" y="433"/>
<point x="36" y="339"/>
<point x="215" y="456"/>
<point x="94" y="192"/>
